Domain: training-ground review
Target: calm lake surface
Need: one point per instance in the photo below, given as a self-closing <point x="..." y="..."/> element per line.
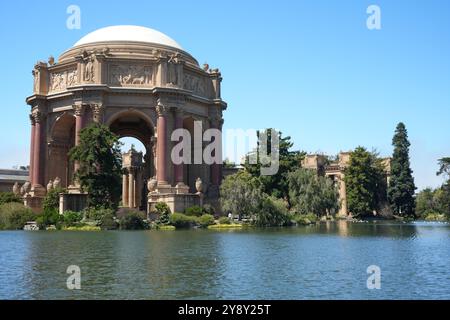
<point x="327" y="261"/>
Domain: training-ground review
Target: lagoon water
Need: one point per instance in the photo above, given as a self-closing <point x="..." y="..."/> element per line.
<point x="326" y="261"/>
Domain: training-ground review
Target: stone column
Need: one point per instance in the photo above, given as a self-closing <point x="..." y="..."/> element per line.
<point x="125" y="190"/>
<point x="178" y="168"/>
<point x="33" y="132"/>
<point x="37" y="167"/>
<point x="216" y="168"/>
<point x="79" y="119"/>
<point x="131" y="189"/>
<point x="161" y="148"/>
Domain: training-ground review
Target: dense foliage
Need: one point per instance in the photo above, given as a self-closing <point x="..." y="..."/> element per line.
<point x="7" y="197"/>
<point x="133" y="220"/>
<point x="241" y="194"/>
<point x="311" y="193"/>
<point x="276" y="185"/>
<point x="364" y="179"/>
<point x="163" y="211"/>
<point x="14" y="216"/>
<point x="100" y="166"/>
<point x="401" y="187"/>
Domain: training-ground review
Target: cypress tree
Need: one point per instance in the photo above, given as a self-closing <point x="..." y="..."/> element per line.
<point x="401" y="187"/>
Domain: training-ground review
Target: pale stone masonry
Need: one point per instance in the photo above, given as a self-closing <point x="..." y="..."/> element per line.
<point x="139" y="83"/>
<point x="335" y="170"/>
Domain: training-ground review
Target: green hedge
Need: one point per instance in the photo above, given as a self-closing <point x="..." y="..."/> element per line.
<point x="14" y="216"/>
<point x="179" y="220"/>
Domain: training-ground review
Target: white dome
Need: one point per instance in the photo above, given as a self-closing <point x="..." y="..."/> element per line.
<point x="128" y="33"/>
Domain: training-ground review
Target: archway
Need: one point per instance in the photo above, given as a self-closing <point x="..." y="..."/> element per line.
<point x="133" y="127"/>
<point x="62" y="139"/>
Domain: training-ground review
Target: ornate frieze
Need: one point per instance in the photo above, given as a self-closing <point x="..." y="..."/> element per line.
<point x="130" y="75"/>
<point x="62" y="79"/>
<point x="195" y="84"/>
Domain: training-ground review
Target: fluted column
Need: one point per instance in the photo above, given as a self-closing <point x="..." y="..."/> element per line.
<point x="131" y="189"/>
<point x="178" y="168"/>
<point x="125" y="190"/>
<point x="161" y="151"/>
<point x="79" y="119"/>
<point x="37" y="170"/>
<point x="33" y="132"/>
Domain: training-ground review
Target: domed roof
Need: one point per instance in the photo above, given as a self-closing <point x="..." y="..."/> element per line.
<point x="128" y="33"/>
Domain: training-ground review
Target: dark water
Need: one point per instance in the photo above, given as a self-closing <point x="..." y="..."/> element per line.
<point x="317" y="262"/>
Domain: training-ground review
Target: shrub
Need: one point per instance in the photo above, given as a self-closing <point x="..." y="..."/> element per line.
<point x="273" y="213"/>
<point x="7" y="197"/>
<point x="206" y="220"/>
<point x="179" y="220"/>
<point x="133" y="221"/>
<point x="163" y="212"/>
<point x="97" y="214"/>
<point x="108" y="222"/>
<point x="13" y="216"/>
<point x="305" y="219"/>
<point x="72" y="218"/>
<point x="209" y="209"/>
<point x="49" y="217"/>
<point x="224" y="220"/>
<point x="194" y="211"/>
<point x="51" y="200"/>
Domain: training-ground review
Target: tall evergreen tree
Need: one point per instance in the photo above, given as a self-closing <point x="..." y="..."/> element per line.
<point x="401" y="187"/>
<point x="364" y="182"/>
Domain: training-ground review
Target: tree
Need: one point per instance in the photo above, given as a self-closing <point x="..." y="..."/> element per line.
<point x="276" y="185"/>
<point x="444" y="196"/>
<point x="241" y="194"/>
<point x="100" y="166"/>
<point x="401" y="188"/>
<point x="364" y="181"/>
<point x="426" y="203"/>
<point x="310" y="193"/>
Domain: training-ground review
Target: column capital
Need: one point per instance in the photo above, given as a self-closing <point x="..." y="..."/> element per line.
<point x="37" y="116"/>
<point x="161" y="110"/>
<point x="78" y="109"/>
<point x="32" y="120"/>
<point x="97" y="110"/>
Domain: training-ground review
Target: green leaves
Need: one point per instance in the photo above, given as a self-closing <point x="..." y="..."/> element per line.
<point x="401" y="188"/>
<point x="310" y="193"/>
<point x="364" y="180"/>
<point x="100" y="166"/>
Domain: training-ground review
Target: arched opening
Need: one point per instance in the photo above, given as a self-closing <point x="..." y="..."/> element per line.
<point x="192" y="171"/>
<point x="134" y="129"/>
<point x="62" y="139"/>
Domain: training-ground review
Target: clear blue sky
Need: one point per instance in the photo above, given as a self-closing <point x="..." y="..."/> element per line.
<point x="310" y="68"/>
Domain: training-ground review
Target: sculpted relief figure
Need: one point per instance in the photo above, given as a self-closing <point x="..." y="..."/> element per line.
<point x="172" y="69"/>
<point x="72" y="77"/>
<point x="130" y="75"/>
<point x="58" y="81"/>
<point x="36" y="80"/>
<point x="195" y="84"/>
<point x="89" y="69"/>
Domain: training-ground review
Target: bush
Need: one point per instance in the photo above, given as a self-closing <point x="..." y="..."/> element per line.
<point x="133" y="221"/>
<point x="179" y="220"/>
<point x="163" y="212"/>
<point x="108" y="222"/>
<point x="13" y="216"/>
<point x="194" y="211"/>
<point x="7" y="197"/>
<point x="209" y="209"/>
<point x="305" y="219"/>
<point x="97" y="214"/>
<point x="206" y="220"/>
<point x="49" y="217"/>
<point x="273" y="213"/>
<point x="71" y="218"/>
<point x="51" y="200"/>
<point x="224" y="220"/>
